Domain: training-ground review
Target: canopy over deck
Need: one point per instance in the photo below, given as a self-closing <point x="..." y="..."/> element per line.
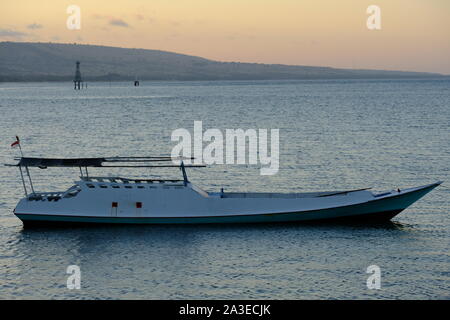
<point x="111" y="162"/>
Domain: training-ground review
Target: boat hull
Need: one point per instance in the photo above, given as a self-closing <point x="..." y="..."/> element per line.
<point x="376" y="210"/>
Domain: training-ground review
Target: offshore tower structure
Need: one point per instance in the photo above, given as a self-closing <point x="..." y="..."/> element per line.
<point x="77" y="81"/>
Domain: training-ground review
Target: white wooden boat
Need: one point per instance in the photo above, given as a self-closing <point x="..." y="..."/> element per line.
<point x="118" y="200"/>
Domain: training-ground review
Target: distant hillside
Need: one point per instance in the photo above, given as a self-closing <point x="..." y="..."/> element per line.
<point x="21" y="61"/>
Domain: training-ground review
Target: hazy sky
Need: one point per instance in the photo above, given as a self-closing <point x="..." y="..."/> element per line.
<point x="414" y="35"/>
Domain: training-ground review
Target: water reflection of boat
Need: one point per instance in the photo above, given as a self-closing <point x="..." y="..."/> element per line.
<point x="114" y="200"/>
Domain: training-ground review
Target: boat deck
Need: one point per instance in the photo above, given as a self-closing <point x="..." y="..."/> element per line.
<point x="283" y="195"/>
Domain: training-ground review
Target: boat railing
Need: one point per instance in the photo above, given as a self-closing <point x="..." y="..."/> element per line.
<point x="127" y="180"/>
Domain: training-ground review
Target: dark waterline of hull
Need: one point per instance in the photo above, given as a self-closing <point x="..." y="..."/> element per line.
<point x="382" y="216"/>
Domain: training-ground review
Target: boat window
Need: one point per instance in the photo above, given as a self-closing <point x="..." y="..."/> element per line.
<point x="90" y="185"/>
<point x="141" y="187"/>
<point x="128" y="187"/>
<point x="115" y="186"/>
<point x="103" y="186"/>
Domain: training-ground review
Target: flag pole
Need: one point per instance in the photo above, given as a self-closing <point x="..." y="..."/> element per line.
<point x="20" y="147"/>
<point x="26" y="168"/>
<point x="20" y="168"/>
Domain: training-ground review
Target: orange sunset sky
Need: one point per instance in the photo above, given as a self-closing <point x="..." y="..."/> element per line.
<point x="414" y="35"/>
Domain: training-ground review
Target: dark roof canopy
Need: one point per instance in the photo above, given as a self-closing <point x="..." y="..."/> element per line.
<point x="54" y="162"/>
<point x="112" y="162"/>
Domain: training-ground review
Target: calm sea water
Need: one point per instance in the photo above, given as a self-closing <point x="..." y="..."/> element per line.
<point x="333" y="135"/>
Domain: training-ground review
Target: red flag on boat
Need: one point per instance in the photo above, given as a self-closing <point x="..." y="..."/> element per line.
<point x="15" y="143"/>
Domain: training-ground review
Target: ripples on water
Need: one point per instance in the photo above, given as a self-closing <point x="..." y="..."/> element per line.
<point x="333" y="135"/>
